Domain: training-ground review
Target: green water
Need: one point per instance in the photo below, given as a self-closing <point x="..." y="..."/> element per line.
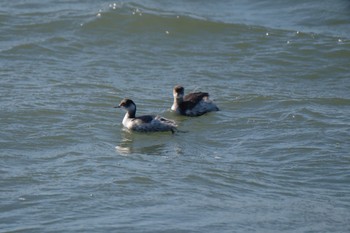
<point x="274" y="159"/>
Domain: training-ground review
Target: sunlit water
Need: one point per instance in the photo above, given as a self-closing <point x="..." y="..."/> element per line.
<point x="274" y="159"/>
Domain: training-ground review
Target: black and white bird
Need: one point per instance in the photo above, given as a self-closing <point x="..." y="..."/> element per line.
<point x="193" y="104"/>
<point x="146" y="123"/>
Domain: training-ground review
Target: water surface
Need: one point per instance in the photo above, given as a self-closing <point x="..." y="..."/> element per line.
<point x="274" y="159"/>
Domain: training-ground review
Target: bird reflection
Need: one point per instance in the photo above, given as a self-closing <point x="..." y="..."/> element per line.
<point x="141" y="143"/>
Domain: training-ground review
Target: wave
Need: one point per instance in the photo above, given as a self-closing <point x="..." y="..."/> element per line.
<point x="133" y="18"/>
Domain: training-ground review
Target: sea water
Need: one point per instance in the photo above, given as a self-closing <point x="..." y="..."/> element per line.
<point x="274" y="159"/>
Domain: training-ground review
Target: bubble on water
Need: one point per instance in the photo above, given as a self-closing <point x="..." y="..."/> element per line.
<point x="167" y="32"/>
<point x="137" y="11"/>
<point x="114" y="6"/>
<point x="267" y="34"/>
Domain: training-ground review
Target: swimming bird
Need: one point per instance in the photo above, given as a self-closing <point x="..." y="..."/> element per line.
<point x="146" y="123"/>
<point x="193" y="104"/>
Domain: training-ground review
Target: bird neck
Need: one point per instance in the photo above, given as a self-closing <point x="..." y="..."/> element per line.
<point x="178" y="100"/>
<point x="131" y="113"/>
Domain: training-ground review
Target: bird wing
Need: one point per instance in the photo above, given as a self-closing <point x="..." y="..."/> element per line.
<point x="192" y="99"/>
<point x="145" y="118"/>
<point x="195" y="96"/>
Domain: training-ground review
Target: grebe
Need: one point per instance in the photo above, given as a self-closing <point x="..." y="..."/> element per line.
<point x="193" y="104"/>
<point x="146" y="123"/>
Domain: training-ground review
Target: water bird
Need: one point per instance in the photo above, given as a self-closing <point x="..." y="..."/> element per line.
<point x="192" y="104"/>
<point x="145" y="123"/>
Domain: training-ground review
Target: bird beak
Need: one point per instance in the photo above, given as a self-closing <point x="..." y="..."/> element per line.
<point x="116" y="106"/>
